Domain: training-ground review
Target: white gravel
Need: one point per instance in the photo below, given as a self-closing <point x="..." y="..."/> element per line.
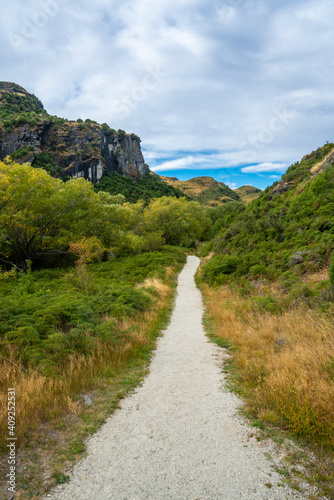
<point x="178" y="436"/>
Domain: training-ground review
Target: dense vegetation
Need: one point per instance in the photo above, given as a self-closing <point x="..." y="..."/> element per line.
<point x="289" y="228"/>
<point x="18" y="107"/>
<point x="48" y="315"/>
<point x="146" y="189"/>
<point x="268" y="293"/>
<point x="86" y="272"/>
<point x="205" y="190"/>
<point x="42" y="215"/>
<point x="85" y="282"/>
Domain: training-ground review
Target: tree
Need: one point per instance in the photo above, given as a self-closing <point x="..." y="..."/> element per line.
<point x="86" y="250"/>
<point x="177" y="221"/>
<point x="41" y="215"/>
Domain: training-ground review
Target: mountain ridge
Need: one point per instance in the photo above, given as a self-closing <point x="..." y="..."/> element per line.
<point x="74" y="148"/>
<point x="210" y="192"/>
<point x="204" y="189"/>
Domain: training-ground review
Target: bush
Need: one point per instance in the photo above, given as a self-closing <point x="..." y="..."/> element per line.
<point x="219" y="269"/>
<point x="257" y="270"/>
<point x="121" y="134"/>
<point x="331" y="270"/>
<point x="20" y="153"/>
<point x="44" y="318"/>
<point x="267" y="304"/>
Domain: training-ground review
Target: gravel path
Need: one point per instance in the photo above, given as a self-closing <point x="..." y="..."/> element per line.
<point x="178" y="436"/>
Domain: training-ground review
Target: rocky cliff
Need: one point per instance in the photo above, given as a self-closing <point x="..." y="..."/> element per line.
<point x="76" y="148"/>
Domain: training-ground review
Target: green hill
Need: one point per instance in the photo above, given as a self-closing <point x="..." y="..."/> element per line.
<point x="289" y="228"/>
<point x="248" y="193"/>
<point x="16" y="100"/>
<point x="147" y="188"/>
<point x="205" y="190"/>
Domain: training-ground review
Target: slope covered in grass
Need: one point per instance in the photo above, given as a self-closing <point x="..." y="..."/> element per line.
<point x="290" y="227"/>
<point x="205" y="190"/>
<point x="146" y="189"/>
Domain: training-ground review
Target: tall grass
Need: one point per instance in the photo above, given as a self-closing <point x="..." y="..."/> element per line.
<point x="284" y="364"/>
<point x="43" y="397"/>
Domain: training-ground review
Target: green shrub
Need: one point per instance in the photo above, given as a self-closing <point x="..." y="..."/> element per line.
<point x="331" y="270"/>
<point x="135" y="137"/>
<point x="121" y="134"/>
<point x="301" y="290"/>
<point x="44" y="318"/>
<point x="19" y="153"/>
<point x="289" y="279"/>
<point x="219" y="269"/>
<point x="268" y="304"/>
<point x="257" y="270"/>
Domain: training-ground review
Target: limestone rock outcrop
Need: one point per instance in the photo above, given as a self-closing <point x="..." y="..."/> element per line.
<point x="80" y="149"/>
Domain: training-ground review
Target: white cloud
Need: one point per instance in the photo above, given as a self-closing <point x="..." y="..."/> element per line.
<point x="265" y="167"/>
<point x="179" y="164"/>
<point x="227" y="72"/>
<point x="198" y="161"/>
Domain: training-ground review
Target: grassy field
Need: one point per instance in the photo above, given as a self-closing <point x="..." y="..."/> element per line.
<point x="282" y="365"/>
<point x="97" y="343"/>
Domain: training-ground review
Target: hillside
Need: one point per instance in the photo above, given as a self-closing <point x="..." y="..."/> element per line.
<point x="146" y="188"/>
<point x="64" y="148"/>
<point x="248" y="193"/>
<point x="289" y="228"/>
<point x="205" y="190"/>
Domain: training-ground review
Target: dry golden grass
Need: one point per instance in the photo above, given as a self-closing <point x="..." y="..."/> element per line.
<point x="285" y="363"/>
<point x="157" y="284"/>
<point x="39" y="397"/>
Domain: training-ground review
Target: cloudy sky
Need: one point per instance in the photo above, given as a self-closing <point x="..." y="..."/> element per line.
<point x="234" y="89"/>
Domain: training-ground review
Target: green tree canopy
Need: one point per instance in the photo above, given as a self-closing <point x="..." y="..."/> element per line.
<point x="41" y="215"/>
<point x="177" y="220"/>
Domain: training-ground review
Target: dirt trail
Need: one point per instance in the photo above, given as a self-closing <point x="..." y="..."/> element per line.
<point x="178" y="436"/>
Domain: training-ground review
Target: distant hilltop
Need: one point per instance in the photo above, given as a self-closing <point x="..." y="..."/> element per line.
<point x="210" y="192"/>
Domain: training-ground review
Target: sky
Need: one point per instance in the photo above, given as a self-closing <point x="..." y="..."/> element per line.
<point x="236" y="89"/>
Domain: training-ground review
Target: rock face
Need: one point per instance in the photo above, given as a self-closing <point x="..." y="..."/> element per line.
<point x="281" y="188"/>
<point x="81" y="149"/>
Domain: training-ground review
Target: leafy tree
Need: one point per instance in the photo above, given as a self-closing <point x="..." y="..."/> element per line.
<point x="178" y="221"/>
<point x="41" y="215"/>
